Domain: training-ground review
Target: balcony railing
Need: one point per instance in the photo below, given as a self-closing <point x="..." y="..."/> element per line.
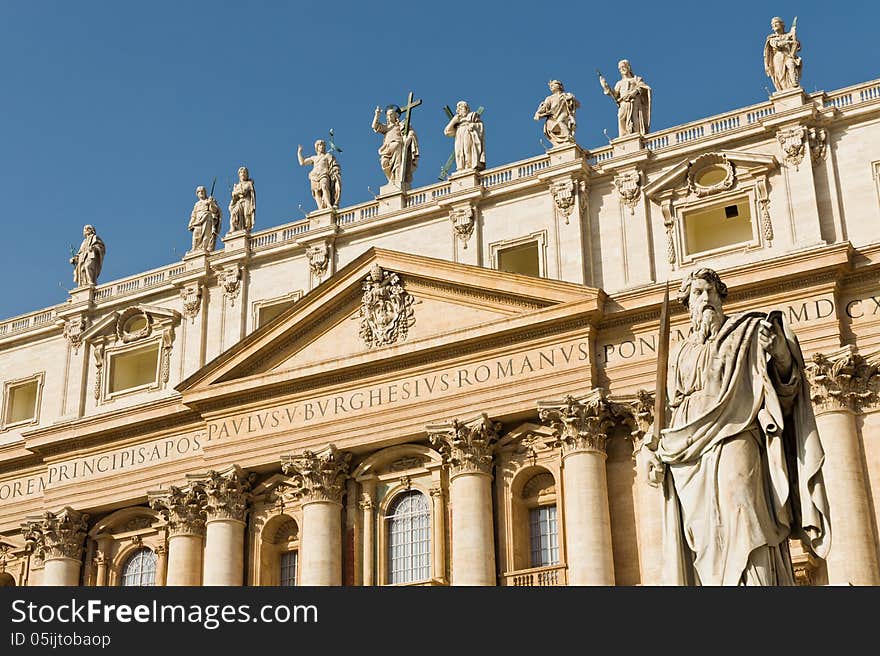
<point x="552" y="575"/>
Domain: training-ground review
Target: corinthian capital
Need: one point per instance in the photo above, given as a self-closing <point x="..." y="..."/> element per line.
<point x="466" y="447"/>
<point x="843" y="380"/>
<point x="182" y="507"/>
<point x="56" y="535"/>
<point x="227" y="494"/>
<point x="581" y="424"/>
<point x="319" y="476"/>
<point x="637" y="412"/>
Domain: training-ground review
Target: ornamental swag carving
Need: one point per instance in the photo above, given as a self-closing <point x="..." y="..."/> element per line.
<point x="319" y="258"/>
<point x="463" y="222"/>
<point x="628" y="186"/>
<point x="192" y="301"/>
<point x="564" y="196"/>
<point x="386" y="311"/>
<point x="792" y="141"/>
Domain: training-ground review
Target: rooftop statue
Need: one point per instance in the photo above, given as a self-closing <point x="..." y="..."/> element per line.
<point x="741" y="462"/>
<point x="325" y="177"/>
<point x="243" y="205"/>
<point x="88" y="260"/>
<point x="467" y="128"/>
<point x="781" y="62"/>
<point x="204" y="222"/>
<point x="633" y="98"/>
<point x="399" y="152"/>
<point x="558" y="110"/>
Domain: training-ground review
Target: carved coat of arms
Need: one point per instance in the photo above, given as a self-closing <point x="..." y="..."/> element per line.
<point x="386" y="311"/>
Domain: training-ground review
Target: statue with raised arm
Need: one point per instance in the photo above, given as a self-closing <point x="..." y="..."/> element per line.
<point x="633" y="98"/>
<point x="89" y="258"/>
<point x="781" y="62"/>
<point x="467" y="128"/>
<point x="399" y="152"/>
<point x="204" y="222"/>
<point x="740" y="463"/>
<point x="558" y="110"/>
<point x="325" y="177"/>
<point x="243" y="205"/>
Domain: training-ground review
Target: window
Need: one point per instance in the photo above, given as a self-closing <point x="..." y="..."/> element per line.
<point x="139" y="569"/>
<point x="725" y="224"/>
<point x="543" y="536"/>
<point x="134" y="369"/>
<point x="269" y="312"/>
<point x="409" y="538"/>
<point x="522" y="259"/>
<point x="21" y="401"/>
<point x="288" y="568"/>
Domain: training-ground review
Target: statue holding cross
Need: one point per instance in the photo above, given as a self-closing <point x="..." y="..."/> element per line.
<point x="399" y="152"/>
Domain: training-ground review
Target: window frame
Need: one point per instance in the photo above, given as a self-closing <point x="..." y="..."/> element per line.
<point x="129" y="559"/>
<point x="539" y="237"/>
<point x="718" y="200"/>
<point x="281" y="555"/>
<point x="388" y="518"/>
<point x="259" y="306"/>
<point x="8" y="386"/>
<point x="113" y="352"/>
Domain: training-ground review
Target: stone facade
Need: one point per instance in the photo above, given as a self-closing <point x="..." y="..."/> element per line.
<point x="233" y="412"/>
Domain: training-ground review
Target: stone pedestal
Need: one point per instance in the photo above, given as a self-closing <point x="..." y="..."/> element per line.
<point x="236" y="241"/>
<point x="464" y="181"/>
<point x="626" y="145"/>
<point x="789" y="99"/>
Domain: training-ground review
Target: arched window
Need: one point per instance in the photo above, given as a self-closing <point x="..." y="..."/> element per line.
<point x="139" y="569"/>
<point x="409" y="538"/>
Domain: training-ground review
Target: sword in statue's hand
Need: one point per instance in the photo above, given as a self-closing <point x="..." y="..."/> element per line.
<point x="662" y="370"/>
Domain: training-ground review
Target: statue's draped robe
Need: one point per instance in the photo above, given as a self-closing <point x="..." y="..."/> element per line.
<point x="89" y="260"/>
<point x="559" y="110"/>
<point x="743" y="461"/>
<point x="391" y="152"/>
<point x="782" y="65"/>
<point x="243" y="210"/>
<point x="469" y="140"/>
<point x="205" y="224"/>
<point x="325" y="168"/>
<point x="634" y="108"/>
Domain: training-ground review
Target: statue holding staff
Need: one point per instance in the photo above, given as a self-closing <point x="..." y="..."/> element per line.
<point x="325" y="177"/>
<point x="781" y="63"/>
<point x="633" y="98"/>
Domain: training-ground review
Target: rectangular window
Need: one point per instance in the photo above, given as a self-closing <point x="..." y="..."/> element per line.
<point x="288" y="568"/>
<point x="133" y="369"/>
<point x="726" y="224"/>
<point x="520" y="259"/>
<point x="543" y="534"/>
<point x="269" y="312"/>
<point x="22" y="401"/>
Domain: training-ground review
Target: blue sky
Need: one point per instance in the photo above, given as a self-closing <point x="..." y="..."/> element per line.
<point x="114" y="112"/>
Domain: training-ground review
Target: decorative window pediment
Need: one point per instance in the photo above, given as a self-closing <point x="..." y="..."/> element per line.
<point x="132" y="350"/>
<point x="725" y="178"/>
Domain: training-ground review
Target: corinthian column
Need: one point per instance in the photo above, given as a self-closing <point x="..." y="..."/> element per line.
<point x="226" y="497"/>
<point x="840" y="385"/>
<point x="58" y="538"/>
<point x="649" y="496"/>
<point x="581" y="427"/>
<point x="320" y="479"/>
<point x="184" y="510"/>
<point x="467" y="449"/>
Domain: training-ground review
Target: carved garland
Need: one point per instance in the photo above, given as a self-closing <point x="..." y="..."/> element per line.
<point x="463" y="222"/>
<point x="192" y="301"/>
<point x="564" y="196"/>
<point x="319" y="258"/>
<point x="793" y="141"/>
<point x="628" y="187"/>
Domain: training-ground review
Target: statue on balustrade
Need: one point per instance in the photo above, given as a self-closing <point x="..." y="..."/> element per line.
<point x="325" y="177"/>
<point x="467" y="128"/>
<point x="740" y="463"/>
<point x="243" y="205"/>
<point x="633" y="98"/>
<point x="88" y="260"/>
<point x="399" y="152"/>
<point x="781" y="62"/>
<point x="204" y="222"/>
<point x="558" y="110"/>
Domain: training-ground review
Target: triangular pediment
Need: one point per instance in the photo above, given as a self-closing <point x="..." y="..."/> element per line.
<point x="676" y="178"/>
<point x="384" y="305"/>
